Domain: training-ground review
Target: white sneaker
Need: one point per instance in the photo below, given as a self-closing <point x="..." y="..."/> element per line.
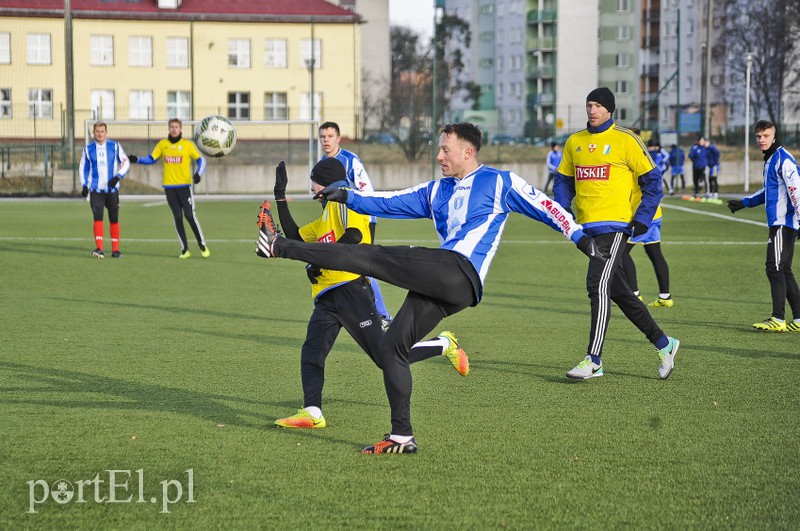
<point x="667" y="356"/>
<point x="586" y="369"/>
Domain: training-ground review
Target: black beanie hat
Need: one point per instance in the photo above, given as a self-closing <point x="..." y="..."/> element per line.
<point x="604" y="97"/>
<point x="328" y="171"/>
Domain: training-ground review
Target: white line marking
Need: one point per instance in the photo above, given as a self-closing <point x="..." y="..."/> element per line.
<point x="715" y="215"/>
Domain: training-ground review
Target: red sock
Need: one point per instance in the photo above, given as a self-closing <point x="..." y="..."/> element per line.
<point x="98" y="234"/>
<point x="114" y="236"/>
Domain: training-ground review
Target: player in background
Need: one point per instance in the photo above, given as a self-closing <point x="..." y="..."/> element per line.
<point x="676" y="160"/>
<point x="781" y="197"/>
<point x="341" y="299"/>
<point x="651" y="240"/>
<point x="469" y="206"/>
<point x="712" y="159"/>
<point x="178" y="154"/>
<point x="553" y="160"/>
<point x="660" y="157"/>
<point x="603" y="166"/>
<point x="698" y="156"/>
<point x="103" y="164"/>
<point x="357" y="179"/>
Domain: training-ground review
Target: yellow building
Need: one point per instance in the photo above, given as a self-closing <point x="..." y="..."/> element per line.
<point x="145" y="60"/>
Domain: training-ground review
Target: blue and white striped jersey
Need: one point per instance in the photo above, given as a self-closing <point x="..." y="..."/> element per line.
<point x="100" y="163"/>
<point x="469" y="214"/>
<point x="781" y="190"/>
<point x="357" y="177"/>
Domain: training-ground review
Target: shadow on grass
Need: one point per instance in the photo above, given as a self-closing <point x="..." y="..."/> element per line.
<point x="124" y="395"/>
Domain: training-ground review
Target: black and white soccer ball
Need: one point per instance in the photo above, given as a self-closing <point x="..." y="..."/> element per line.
<point x="215" y="136"/>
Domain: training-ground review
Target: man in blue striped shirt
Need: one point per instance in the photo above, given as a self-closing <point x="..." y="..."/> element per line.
<point x="781" y="197"/>
<point x="469" y="207"/>
<point x="103" y="164"/>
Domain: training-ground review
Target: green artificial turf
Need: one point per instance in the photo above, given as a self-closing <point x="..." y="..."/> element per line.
<point x="158" y="365"/>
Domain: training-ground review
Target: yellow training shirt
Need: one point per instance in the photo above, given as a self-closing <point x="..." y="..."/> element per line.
<point x="178" y="159"/>
<point x="328" y="228"/>
<point x="606" y="167"/>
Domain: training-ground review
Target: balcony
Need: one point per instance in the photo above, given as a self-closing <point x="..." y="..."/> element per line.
<point x="649" y="70"/>
<point x="541" y="71"/>
<point x="545" y="16"/>
<point x="543" y="98"/>
<point x="541" y="43"/>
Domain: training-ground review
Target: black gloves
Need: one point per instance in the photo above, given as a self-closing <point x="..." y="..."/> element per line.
<point x="735" y="205"/>
<point x="313" y="272"/>
<point x="587" y="246"/>
<point x="280" y="187"/>
<point x="332" y="193"/>
<point x="133" y="159"/>
<point x="637" y="229"/>
<point x="196" y="178"/>
<point x="112" y="183"/>
<point x="85" y="191"/>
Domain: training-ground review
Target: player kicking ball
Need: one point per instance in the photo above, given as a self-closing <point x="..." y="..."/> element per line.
<point x="341" y="299"/>
<point x="469" y="207"/>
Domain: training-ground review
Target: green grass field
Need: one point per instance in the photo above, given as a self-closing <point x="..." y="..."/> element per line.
<point x="162" y="366"/>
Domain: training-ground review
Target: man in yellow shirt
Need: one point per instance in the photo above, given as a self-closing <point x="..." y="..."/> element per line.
<point x="341" y="299"/>
<point x="602" y="167"/>
<point x="178" y="154"/>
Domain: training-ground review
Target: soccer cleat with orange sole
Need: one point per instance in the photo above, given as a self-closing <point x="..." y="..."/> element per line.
<point x="388" y="446"/>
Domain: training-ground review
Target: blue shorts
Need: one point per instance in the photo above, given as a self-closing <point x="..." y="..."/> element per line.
<point x="653" y="235"/>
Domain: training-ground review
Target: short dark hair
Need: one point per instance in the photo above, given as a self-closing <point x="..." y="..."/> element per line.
<point x="176" y="121"/>
<point x="763" y="125"/>
<point x="553" y="144"/>
<point x="330" y="125"/>
<point x="99" y="124"/>
<point x="465" y="131"/>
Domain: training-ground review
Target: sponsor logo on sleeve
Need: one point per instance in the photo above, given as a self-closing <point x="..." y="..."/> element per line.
<point x="557" y="214"/>
<point x="592" y="173"/>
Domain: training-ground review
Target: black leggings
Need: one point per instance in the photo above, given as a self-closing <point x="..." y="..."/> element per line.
<point x="780" y="252"/>
<point x="181" y="202"/>
<point x="439" y="283"/>
<point x="653" y="251"/>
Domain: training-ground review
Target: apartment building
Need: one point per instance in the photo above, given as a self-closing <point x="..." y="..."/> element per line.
<point x="158" y="59"/>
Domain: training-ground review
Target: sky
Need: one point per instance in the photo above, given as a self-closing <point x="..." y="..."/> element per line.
<point x="416" y="14"/>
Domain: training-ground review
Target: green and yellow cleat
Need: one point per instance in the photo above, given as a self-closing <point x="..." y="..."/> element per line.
<point x="185" y="255"/>
<point x="302" y="419"/>
<point x="771" y="325"/>
<point x="661" y="303"/>
<point x="455" y="354"/>
<point x="793" y="326"/>
<point x="205" y="253"/>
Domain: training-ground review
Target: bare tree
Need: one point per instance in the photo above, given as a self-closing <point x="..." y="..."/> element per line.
<point x="770" y="31"/>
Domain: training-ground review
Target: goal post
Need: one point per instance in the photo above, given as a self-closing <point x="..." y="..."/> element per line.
<point x="248" y="169"/>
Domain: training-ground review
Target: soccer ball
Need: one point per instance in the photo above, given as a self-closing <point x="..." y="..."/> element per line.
<point x="215" y="136"/>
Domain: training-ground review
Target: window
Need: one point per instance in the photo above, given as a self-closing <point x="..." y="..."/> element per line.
<point x="5" y="103"/>
<point x="179" y="104"/>
<point x="499" y="63"/>
<point x="500" y="89"/>
<point x="140" y="51"/>
<point x="622" y="60"/>
<point x="5" y="48"/>
<point x="239" y="53"/>
<point x="486" y="36"/>
<point x="102" y="102"/>
<point x="623" y="33"/>
<point x="38" y="48"/>
<point x="101" y="50"/>
<point x="690" y="27"/>
<point x="141" y="105"/>
<point x="177" y="52"/>
<point x="622" y="87"/>
<point x="305" y="113"/>
<point x="40" y="103"/>
<point x="690" y="56"/>
<point x="275" y="53"/>
<point x="305" y="53"/>
<point x="623" y="5"/>
<point x="275" y="106"/>
<point x="239" y="105"/>
<point x="689" y="83"/>
<point x="623" y="114"/>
